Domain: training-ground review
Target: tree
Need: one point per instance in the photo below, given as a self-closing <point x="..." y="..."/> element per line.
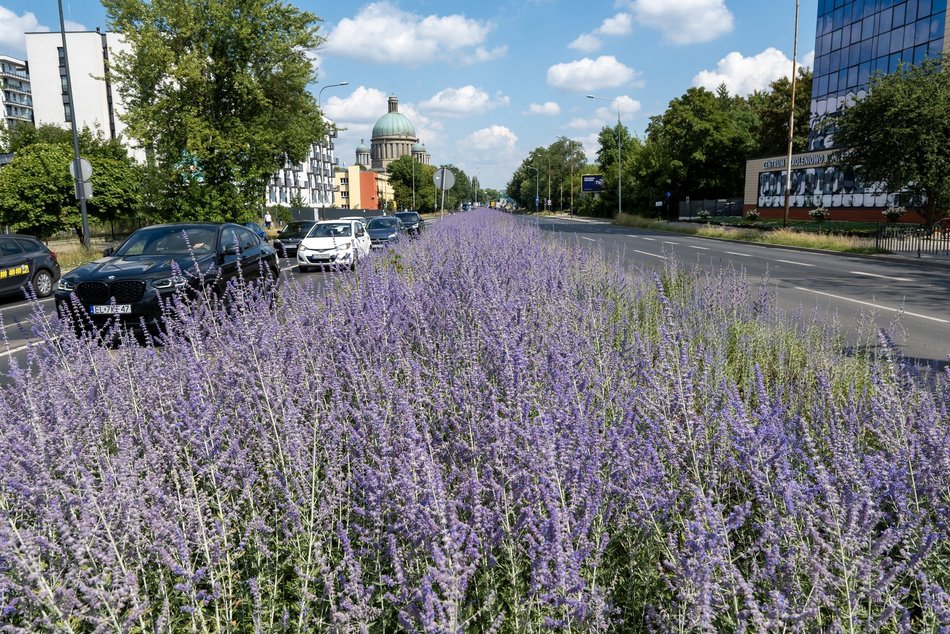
<point x="772" y="110"/>
<point x="899" y="135"/>
<point x="216" y="94"/>
<point x="36" y="191"/>
<point x="402" y="172"/>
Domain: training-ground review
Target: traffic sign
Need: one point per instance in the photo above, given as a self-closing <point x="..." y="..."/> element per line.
<point x="85" y="168"/>
<point x="668" y="194"/>
<point x="443" y="179"/>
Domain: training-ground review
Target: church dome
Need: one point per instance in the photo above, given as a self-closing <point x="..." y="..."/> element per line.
<point x="393" y="123"/>
<point x="418" y="148"/>
<point x="362" y="147"/>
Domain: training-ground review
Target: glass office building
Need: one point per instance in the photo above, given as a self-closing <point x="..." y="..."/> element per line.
<point x="854" y="40"/>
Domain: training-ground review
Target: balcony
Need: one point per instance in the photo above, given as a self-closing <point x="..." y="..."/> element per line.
<point x="14" y="74"/>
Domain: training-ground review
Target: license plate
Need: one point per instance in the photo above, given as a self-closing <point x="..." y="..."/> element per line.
<point x="111" y="309"/>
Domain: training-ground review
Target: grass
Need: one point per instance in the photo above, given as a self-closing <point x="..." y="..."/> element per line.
<point x="73" y="255"/>
<point x="781" y="237"/>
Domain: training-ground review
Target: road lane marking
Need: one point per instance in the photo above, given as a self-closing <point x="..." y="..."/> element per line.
<point x="652" y="255"/>
<point x="883" y="277"/>
<point x="287" y="268"/>
<point x="744" y="255"/>
<point x="668" y="242"/>
<point x="795" y="263"/>
<point x="700" y="248"/>
<point x="650" y="239"/>
<point x="32" y="344"/>
<point x="588" y="239"/>
<point x="872" y="305"/>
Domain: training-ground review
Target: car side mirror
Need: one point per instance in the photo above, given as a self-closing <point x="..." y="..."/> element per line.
<point x="229" y="249"/>
<point x="108" y="251"/>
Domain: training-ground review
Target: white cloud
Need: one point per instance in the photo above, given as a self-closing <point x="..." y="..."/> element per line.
<point x="684" y="21"/>
<point x="466" y="100"/>
<point x="591" y="74"/>
<point x="744" y="75"/>
<point x="548" y="108"/>
<point x="495" y="138"/>
<point x="809" y="59"/>
<point x="12" y="28"/>
<point x="364" y="105"/>
<point x="382" y="32"/>
<point x="618" y="25"/>
<point x="607" y="114"/>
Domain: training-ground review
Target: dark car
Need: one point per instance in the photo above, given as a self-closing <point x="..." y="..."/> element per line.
<point x="24" y="260"/>
<point x="412" y="221"/>
<point x="155" y="262"/>
<point x="290" y="236"/>
<point x="384" y="230"/>
<point x="256" y="228"/>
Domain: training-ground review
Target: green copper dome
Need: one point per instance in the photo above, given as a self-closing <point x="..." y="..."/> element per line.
<point x="393" y="124"/>
<point x="362" y="147"/>
<point x="418" y="148"/>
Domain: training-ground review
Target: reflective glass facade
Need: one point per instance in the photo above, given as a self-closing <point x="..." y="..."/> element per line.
<point x="856" y="39"/>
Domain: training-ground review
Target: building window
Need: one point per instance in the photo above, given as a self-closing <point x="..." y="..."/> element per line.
<point x="69" y="112"/>
<point x="62" y="56"/>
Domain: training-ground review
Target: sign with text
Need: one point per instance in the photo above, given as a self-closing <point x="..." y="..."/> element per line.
<point x="592" y="183"/>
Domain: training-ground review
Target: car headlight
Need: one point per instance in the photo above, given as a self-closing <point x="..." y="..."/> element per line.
<point x="175" y="281"/>
<point x="66" y="285"/>
<point x="301" y="248"/>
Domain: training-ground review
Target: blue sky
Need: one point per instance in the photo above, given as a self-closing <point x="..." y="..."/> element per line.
<point x="486" y="82"/>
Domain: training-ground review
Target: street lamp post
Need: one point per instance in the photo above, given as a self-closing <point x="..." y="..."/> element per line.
<point x="791" y="124"/>
<point x="78" y="180"/>
<point x="536" y="177"/>
<point x="619" y="152"/>
<point x="320" y="108"/>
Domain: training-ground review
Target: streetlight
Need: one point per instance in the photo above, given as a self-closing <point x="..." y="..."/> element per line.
<point x="78" y="178"/>
<point x="320" y="108"/>
<point x="791" y="125"/>
<point x="535" y="187"/>
<point x="619" y="152"/>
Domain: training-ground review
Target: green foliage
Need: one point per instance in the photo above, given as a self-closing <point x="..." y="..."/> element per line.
<point x="772" y="110"/>
<point x="36" y="191"/>
<point x="560" y="167"/>
<point x="405" y="171"/>
<point x="221" y="86"/>
<point x="900" y="135"/>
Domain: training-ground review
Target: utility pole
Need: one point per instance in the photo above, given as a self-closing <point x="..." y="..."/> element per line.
<point x="791" y="124"/>
<point x="78" y="181"/>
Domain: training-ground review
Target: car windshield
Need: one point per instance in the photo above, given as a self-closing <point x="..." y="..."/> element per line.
<point x="295" y="230"/>
<point x="169" y="241"/>
<point x="408" y="216"/>
<point x="384" y="223"/>
<point x="331" y="230"/>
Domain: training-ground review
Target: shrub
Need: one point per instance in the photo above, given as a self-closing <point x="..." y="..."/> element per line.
<point x="488" y="439"/>
<point x="819" y="214"/>
<point x="893" y="212"/>
<point x="752" y="214"/>
<point x="703" y="214"/>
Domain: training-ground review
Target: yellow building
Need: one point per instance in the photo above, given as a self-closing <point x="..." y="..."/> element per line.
<point x="358" y="188"/>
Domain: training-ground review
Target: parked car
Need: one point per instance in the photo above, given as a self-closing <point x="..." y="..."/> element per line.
<point x="26" y="261"/>
<point x="385" y="231"/>
<point x="290" y="236"/>
<point x="412" y="221"/>
<point x="155" y="262"/>
<point x="333" y="243"/>
<point x="257" y="229"/>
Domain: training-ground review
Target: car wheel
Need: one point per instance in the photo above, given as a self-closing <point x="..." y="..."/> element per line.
<point x="43" y="283"/>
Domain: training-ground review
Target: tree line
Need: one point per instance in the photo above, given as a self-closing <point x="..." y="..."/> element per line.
<point x="698" y="147"/>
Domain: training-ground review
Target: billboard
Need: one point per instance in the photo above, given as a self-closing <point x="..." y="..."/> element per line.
<point x="592" y="183"/>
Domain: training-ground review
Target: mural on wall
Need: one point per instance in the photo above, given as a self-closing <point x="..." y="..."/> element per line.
<point x="815" y="183"/>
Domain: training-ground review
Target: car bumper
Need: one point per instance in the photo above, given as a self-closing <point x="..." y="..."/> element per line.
<point x="324" y="258"/>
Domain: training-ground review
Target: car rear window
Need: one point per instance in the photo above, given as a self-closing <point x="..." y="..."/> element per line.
<point x="9" y="246"/>
<point x="30" y="245"/>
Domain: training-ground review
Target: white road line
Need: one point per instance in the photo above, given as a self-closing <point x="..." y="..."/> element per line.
<point x="878" y="306"/>
<point x="652" y="255"/>
<point x="650" y="239"/>
<point x="793" y="262"/>
<point x="883" y="277"/>
<point x="668" y="242"/>
<point x="7" y="353"/>
<point x="287" y="268"/>
<point x="588" y="239"/>
<point x="700" y="248"/>
<point x="745" y="255"/>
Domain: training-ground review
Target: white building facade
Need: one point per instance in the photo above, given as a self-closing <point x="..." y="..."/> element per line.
<point x="16" y="101"/>
<point x="309" y="183"/>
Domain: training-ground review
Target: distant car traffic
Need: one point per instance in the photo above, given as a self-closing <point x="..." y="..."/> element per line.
<point x="290" y="236"/>
<point x="333" y="243"/>
<point x="155" y="262"/>
<point x="26" y="261"/>
<point x="385" y="230"/>
<point x="412" y="221"/>
<point x="256" y="228"/>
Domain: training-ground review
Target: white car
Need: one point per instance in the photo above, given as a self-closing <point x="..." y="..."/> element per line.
<point x="336" y="243"/>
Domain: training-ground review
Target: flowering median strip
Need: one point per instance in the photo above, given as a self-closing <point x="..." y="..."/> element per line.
<point x="482" y="431"/>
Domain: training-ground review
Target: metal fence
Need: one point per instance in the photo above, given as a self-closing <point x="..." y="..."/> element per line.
<point x="716" y="207"/>
<point x="916" y="241"/>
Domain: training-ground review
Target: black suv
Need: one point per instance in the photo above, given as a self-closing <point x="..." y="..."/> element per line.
<point x="290" y="236"/>
<point x="25" y="260"/>
<point x="155" y="262"/>
<point x="411" y="220"/>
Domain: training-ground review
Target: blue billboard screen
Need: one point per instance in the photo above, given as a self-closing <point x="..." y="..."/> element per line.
<point x="592" y="183"/>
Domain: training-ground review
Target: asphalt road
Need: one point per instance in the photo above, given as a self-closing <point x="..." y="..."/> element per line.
<point x="910" y="299"/>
